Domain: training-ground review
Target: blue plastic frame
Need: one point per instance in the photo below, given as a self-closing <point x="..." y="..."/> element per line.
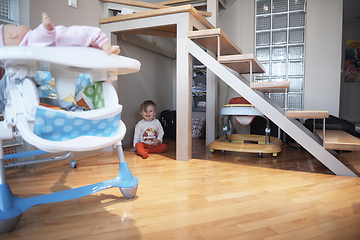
<point x="12" y="206"/>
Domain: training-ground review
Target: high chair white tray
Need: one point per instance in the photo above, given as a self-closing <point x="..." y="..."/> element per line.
<point x="20" y="104"/>
<point x="70" y="58"/>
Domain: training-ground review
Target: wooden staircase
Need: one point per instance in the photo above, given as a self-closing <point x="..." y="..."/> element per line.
<point x="228" y="55"/>
<point x="175" y="22"/>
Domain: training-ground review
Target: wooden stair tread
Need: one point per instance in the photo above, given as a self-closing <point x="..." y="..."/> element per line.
<point x="240" y="63"/>
<point x="208" y="39"/>
<point x="339" y="140"/>
<point x="307" y="114"/>
<point x="270" y="87"/>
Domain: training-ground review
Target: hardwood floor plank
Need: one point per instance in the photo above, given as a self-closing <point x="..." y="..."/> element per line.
<point x="189" y="221"/>
<point x="256" y="235"/>
<point x="212" y="196"/>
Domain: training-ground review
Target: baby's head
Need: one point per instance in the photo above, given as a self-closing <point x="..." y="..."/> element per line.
<point x="148" y="110"/>
<point x="12" y="35"/>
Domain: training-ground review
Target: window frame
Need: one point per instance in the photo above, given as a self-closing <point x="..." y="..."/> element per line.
<point x="11" y="9"/>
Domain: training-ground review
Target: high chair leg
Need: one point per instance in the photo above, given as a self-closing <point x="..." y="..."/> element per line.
<point x="10" y="215"/>
<point x="126" y="176"/>
<point x="12" y="207"/>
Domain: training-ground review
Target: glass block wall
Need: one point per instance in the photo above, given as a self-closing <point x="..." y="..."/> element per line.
<point x="9" y="11"/>
<point x="280" y="46"/>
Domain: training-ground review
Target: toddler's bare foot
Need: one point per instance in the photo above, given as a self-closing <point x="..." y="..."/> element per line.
<point x="114" y="49"/>
<point x="46" y="22"/>
<point x="109" y="49"/>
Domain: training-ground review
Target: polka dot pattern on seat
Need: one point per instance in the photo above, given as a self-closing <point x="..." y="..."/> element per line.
<point x="60" y="126"/>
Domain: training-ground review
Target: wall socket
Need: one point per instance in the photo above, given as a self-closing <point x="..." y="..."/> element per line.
<point x="73" y="3"/>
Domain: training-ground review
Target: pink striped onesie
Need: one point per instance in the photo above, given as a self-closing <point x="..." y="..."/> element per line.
<point x="84" y="36"/>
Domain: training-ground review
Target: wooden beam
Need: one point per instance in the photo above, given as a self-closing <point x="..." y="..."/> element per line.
<point x="133" y="39"/>
<point x="169" y="2"/>
<point x="158" y="12"/>
<point x="136" y="3"/>
<point x="156" y="33"/>
<point x="307" y="114"/>
<point x="240" y="63"/>
<point x="208" y="39"/>
<point x="147" y="5"/>
<point x="340" y="140"/>
<point x="271" y="87"/>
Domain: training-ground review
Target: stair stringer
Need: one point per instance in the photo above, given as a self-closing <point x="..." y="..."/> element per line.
<point x="273" y="111"/>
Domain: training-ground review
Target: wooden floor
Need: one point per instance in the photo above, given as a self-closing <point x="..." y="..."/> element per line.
<point x="213" y="196"/>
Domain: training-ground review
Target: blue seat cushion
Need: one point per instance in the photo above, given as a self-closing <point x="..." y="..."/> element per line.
<point x="59" y="126"/>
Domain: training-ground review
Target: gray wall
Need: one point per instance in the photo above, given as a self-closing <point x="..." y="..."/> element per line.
<point x="350" y="97"/>
<point x="323" y="55"/>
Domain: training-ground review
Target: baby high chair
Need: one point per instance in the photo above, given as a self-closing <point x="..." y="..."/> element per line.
<point x="58" y="130"/>
<point x="244" y="113"/>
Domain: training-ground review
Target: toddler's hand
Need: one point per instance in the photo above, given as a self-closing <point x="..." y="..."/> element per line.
<point x="157" y="141"/>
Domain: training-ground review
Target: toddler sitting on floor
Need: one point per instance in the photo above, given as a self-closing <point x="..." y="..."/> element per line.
<point x="148" y="131"/>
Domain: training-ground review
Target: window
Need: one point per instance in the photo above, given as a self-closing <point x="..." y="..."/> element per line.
<point x="280" y="46"/>
<point x="9" y="12"/>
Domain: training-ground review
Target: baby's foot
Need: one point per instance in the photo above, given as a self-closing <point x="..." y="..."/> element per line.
<point x="145" y="155"/>
<point x="114" y="49"/>
<point x="46" y="22"/>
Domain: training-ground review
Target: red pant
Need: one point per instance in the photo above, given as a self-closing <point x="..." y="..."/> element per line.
<point x="144" y="149"/>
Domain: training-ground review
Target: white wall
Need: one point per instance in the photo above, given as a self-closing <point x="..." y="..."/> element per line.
<point x="238" y="22"/>
<point x="88" y="12"/>
<point x="323" y="55"/>
<point x="350" y="97"/>
<point x="154" y="81"/>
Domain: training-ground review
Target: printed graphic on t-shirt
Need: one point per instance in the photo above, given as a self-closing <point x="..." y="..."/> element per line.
<point x="150" y="135"/>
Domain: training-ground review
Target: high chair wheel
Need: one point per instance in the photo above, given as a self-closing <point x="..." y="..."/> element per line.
<point x="73" y="163"/>
<point x="8" y="225"/>
<point x="129" y="192"/>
